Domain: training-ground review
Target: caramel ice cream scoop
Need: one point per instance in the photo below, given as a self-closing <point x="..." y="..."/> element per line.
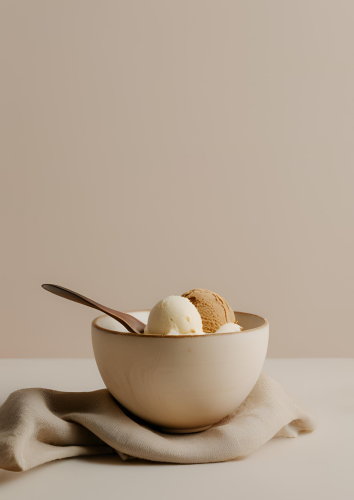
<point x="213" y="309"/>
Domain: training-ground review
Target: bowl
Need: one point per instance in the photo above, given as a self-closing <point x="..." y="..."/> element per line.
<point x="180" y="383"/>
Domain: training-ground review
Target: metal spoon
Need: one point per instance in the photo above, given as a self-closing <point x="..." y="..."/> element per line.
<point x="132" y="324"/>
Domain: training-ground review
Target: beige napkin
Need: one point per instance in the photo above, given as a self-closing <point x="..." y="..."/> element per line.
<point x="40" y="425"/>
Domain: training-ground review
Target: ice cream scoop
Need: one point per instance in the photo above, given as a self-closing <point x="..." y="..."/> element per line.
<point x="213" y="309"/>
<point x="229" y="328"/>
<point x="174" y="315"/>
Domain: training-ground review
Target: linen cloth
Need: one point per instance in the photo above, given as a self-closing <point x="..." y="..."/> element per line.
<point x="40" y="425"/>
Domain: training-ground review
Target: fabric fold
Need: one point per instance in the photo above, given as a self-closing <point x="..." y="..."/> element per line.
<point x="40" y="425"/>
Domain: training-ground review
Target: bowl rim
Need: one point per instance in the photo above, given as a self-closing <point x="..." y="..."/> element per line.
<point x="114" y="332"/>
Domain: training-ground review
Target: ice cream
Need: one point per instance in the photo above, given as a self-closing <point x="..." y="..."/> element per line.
<point x="174" y="315"/>
<point x="229" y="328"/>
<point x="213" y="309"/>
<point x="196" y="312"/>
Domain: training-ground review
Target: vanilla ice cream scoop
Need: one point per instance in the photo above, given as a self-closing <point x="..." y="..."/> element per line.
<point x="229" y="328"/>
<point x="174" y="315"/>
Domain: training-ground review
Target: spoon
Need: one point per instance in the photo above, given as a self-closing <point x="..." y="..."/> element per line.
<point x="132" y="324"/>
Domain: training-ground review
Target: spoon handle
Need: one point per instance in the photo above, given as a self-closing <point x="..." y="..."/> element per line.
<point x="70" y="295"/>
<point x="132" y="324"/>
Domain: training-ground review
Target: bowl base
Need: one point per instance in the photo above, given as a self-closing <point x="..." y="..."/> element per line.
<point x="170" y="430"/>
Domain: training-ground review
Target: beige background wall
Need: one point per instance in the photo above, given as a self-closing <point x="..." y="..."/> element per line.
<point x="149" y="147"/>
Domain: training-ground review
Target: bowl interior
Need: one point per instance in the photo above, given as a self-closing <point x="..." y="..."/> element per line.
<point x="246" y="320"/>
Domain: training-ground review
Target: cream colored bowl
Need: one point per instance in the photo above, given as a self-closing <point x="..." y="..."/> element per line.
<point x="180" y="383"/>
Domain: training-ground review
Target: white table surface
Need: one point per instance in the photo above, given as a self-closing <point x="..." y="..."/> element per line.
<point x="313" y="466"/>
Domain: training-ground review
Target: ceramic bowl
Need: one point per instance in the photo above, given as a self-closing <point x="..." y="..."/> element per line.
<point x="182" y="383"/>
